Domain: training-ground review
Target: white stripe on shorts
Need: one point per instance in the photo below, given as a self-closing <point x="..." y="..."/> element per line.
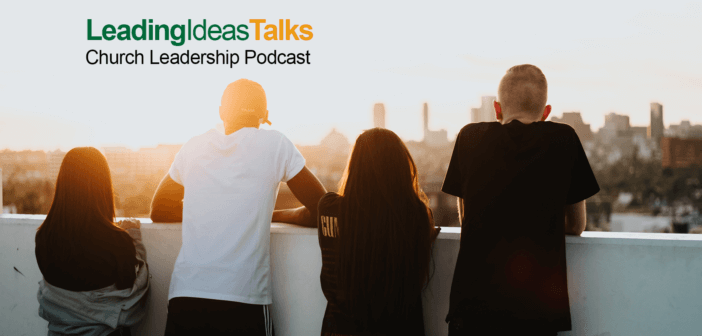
<point x="267" y="320"/>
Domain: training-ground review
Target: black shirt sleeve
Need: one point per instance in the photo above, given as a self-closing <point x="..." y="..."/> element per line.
<point x="582" y="180"/>
<point x="453" y="183"/>
<point x="327" y="206"/>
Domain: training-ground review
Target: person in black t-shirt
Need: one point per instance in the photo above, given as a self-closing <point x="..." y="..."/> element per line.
<point x="376" y="237"/>
<point x="521" y="185"/>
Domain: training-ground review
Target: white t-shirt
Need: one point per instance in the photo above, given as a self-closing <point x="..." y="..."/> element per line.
<point x="231" y="183"/>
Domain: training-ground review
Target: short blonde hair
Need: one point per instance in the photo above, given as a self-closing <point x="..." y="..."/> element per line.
<point x="523" y="88"/>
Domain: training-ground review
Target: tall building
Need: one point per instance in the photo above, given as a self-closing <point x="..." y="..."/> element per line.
<point x="379" y="115"/>
<point x="575" y="120"/>
<point x="656" y="129"/>
<point x="425" y="114"/>
<point x="433" y="138"/>
<point x="486" y="111"/>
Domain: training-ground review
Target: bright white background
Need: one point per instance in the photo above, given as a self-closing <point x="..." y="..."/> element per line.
<point x="599" y="57"/>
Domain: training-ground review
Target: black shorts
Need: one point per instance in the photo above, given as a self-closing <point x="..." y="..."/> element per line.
<point x="196" y="316"/>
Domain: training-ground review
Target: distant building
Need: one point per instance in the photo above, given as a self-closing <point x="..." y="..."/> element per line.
<point x="54" y="160"/>
<point x="616" y="125"/>
<point x="681" y="153"/>
<point x="155" y="160"/>
<point x="23" y="158"/>
<point x="638" y="131"/>
<point x="336" y="142"/>
<point x="379" y="115"/>
<point x="23" y="165"/>
<point x="685" y="130"/>
<point x="121" y="161"/>
<point x="618" y="140"/>
<point x="425" y="115"/>
<point x="486" y="111"/>
<point x="128" y="166"/>
<point x="656" y="129"/>
<point x="433" y="138"/>
<point x="328" y="159"/>
<point x="575" y="120"/>
<point x="645" y="147"/>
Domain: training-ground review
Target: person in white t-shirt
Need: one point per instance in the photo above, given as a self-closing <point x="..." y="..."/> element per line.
<point x="223" y="187"/>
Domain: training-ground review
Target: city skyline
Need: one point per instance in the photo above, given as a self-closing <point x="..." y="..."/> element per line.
<point x="596" y="61"/>
<point x="378" y="115"/>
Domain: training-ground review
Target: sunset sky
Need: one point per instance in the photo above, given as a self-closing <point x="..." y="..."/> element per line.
<point x="598" y="56"/>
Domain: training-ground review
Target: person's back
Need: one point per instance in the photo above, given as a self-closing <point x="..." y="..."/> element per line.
<point x="228" y="183"/>
<point x="93" y="269"/>
<point x="518" y="181"/>
<point x="375" y="237"/>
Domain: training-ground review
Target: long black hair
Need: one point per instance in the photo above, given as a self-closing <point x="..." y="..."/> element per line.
<point x="83" y="206"/>
<point x="385" y="242"/>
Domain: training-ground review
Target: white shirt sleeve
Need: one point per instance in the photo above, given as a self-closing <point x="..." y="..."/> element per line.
<point x="176" y="170"/>
<point x="292" y="159"/>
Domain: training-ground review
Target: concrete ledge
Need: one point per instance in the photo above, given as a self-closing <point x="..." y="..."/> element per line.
<point x="619" y="283"/>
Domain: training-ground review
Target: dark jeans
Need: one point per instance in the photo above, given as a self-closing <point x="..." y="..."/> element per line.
<point x="196" y="316"/>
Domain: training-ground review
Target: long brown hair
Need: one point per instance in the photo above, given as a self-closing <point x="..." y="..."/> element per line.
<point x="84" y="201"/>
<point x="386" y="236"/>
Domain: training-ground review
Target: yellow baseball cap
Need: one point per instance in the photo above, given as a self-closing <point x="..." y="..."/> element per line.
<point x="247" y="99"/>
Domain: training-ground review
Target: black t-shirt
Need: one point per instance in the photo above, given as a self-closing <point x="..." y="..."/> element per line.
<point x="106" y="257"/>
<point x="336" y="321"/>
<point x="515" y="181"/>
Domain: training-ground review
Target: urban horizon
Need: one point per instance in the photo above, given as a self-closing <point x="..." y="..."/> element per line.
<point x="554" y="116"/>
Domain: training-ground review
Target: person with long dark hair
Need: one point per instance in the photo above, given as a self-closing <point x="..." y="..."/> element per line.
<point x="376" y="237"/>
<point x="95" y="276"/>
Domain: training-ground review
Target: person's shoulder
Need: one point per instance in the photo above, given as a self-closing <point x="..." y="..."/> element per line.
<point x="126" y="243"/>
<point x="329" y="201"/>
<point x="479" y="127"/>
<point x="557" y="126"/>
<point x="560" y="132"/>
<point x="471" y="134"/>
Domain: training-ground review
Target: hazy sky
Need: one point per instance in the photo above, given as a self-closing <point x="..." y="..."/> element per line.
<point x="598" y="56"/>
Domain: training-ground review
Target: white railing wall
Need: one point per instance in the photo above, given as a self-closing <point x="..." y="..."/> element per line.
<point x="619" y="283"/>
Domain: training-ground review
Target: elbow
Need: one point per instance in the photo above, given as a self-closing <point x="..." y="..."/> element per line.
<point x="573" y="232"/>
<point x="165" y="214"/>
<point x="156" y="215"/>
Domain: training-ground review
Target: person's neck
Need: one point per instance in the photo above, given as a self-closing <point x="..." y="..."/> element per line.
<point x="229" y="129"/>
<point x="524" y="119"/>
